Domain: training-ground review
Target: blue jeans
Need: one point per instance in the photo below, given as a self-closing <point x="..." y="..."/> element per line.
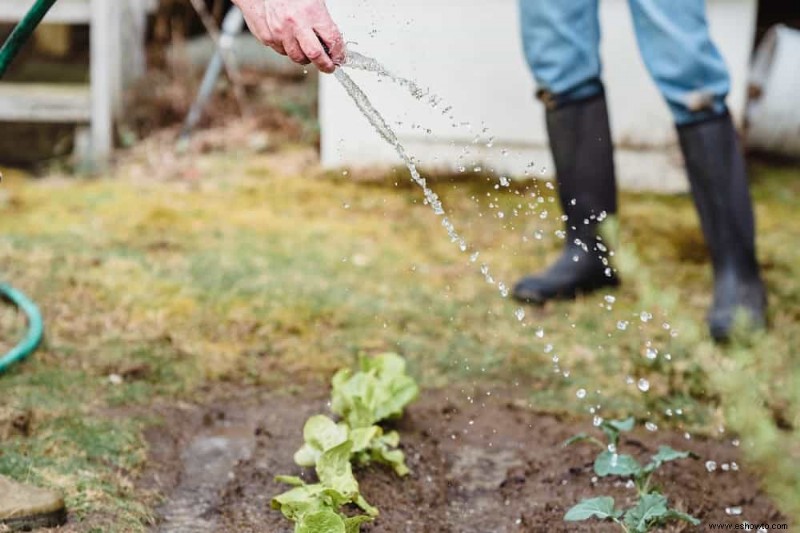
<point x="562" y="38"/>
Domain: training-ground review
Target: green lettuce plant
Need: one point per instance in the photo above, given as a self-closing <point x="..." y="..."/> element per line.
<point x="651" y="509"/>
<point x="378" y="392"/>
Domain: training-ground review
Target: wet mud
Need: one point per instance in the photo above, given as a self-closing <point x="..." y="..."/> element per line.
<point x="480" y="464"/>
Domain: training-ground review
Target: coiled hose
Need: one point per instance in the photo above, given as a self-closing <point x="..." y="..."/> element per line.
<point x="33" y="337"/>
<point x="35" y="327"/>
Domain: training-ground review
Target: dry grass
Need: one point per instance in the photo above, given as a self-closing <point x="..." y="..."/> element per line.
<point x="257" y="269"/>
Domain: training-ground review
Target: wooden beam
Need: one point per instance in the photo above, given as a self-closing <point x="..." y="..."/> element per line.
<point x="63" y="12"/>
<point x="103" y="80"/>
<point x="26" y="102"/>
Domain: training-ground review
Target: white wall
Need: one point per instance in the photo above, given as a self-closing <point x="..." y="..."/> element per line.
<point x="469" y="52"/>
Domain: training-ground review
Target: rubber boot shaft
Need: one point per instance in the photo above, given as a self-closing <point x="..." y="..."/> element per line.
<point x="580" y="140"/>
<point x="718" y="178"/>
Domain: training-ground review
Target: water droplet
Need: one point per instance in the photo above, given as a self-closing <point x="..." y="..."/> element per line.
<point x="644" y="316"/>
<point x="733" y="511"/>
<point x="540" y="333"/>
<point x="711" y="466"/>
<point x="622" y="325"/>
<point x="581" y="394"/>
<point x="610" y="299"/>
<point x="651" y="354"/>
<point x="538" y="234"/>
<point x="503" y="289"/>
<point x="651" y="426"/>
<point x="643" y="385"/>
<point x="520" y="314"/>
<point x="597" y="420"/>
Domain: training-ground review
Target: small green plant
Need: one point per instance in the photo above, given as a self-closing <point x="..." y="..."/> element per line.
<point x="378" y="392"/>
<point x="651" y="509"/>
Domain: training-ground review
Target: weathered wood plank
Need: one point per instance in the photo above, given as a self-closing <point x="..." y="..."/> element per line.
<point x="26" y="102"/>
<point x="63" y="12"/>
<point x="105" y="64"/>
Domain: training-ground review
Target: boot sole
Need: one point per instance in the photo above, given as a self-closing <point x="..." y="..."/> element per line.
<point x="538" y="299"/>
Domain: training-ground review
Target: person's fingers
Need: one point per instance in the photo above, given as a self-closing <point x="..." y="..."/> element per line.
<point x="278" y="47"/>
<point x="314" y="51"/>
<point x="330" y="35"/>
<point x="294" y="51"/>
<point x="255" y="18"/>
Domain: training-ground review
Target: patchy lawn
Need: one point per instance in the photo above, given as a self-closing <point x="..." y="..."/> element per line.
<point x="174" y="277"/>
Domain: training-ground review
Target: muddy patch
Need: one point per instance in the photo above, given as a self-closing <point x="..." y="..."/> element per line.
<point x="487" y="466"/>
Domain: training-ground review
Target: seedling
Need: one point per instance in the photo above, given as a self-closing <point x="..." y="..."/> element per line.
<point x="378" y="392"/>
<point x="316" y="508"/>
<point x="651" y="509"/>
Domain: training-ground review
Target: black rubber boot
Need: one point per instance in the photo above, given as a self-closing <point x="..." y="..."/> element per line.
<point x="718" y="178"/>
<point x="580" y="139"/>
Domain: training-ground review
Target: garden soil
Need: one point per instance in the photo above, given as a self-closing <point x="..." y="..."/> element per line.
<point x="481" y="463"/>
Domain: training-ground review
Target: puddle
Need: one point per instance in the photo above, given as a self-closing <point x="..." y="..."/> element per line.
<point x="208" y="465"/>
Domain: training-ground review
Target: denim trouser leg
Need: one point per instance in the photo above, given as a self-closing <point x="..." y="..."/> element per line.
<point x="561" y="40"/>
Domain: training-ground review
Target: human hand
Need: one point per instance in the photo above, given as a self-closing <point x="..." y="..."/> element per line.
<point x="300" y="29"/>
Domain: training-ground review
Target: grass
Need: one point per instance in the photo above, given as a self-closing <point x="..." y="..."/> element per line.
<point x="243" y="271"/>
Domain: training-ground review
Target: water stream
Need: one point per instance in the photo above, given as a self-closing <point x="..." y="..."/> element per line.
<point x="385" y="131"/>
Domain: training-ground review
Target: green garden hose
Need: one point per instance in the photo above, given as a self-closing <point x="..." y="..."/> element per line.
<point x="22" y="32"/>
<point x="33" y="337"/>
<point x="35" y="327"/>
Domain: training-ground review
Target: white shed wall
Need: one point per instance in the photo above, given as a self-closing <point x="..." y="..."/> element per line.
<point x="470" y="54"/>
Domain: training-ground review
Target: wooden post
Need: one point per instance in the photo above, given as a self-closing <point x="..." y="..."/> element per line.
<point x="103" y="68"/>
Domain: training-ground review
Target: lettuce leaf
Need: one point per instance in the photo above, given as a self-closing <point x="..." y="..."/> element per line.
<point x="320" y="434"/>
<point x="378" y="392"/>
